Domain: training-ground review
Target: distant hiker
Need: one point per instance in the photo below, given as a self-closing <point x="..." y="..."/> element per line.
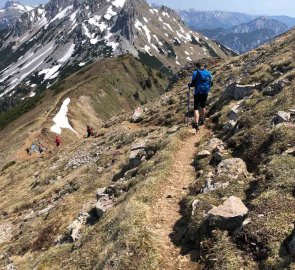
<point x="41" y="149"/>
<point x="202" y="82"/>
<point x="33" y="148"/>
<point x="90" y="131"/>
<point x="58" y="141"/>
<point x="28" y="151"/>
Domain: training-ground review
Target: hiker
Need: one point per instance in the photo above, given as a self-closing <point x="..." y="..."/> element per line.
<point x="90" y="131"/>
<point x="58" y="141"/>
<point x="202" y="82"/>
<point x="40" y="149"/>
<point x="33" y="148"/>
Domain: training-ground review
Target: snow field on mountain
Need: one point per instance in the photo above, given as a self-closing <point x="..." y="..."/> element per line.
<point x="68" y="54"/>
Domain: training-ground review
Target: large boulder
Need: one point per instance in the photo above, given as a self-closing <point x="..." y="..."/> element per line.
<point x="137" y="154"/>
<point x="229" y="215"/>
<point x="137" y="115"/>
<point x="103" y="204"/>
<point x="281" y="117"/>
<point x="238" y="91"/>
<point x="232" y="168"/>
<point x="275" y="88"/>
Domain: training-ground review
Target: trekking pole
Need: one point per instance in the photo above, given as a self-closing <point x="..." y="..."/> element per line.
<point x="188" y="106"/>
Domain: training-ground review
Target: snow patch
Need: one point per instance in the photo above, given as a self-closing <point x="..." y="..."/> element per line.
<point x="68" y="54"/>
<point x="61" y="14"/>
<point x="50" y="73"/>
<point x="119" y="3"/>
<point x="61" y="120"/>
<point x="110" y="13"/>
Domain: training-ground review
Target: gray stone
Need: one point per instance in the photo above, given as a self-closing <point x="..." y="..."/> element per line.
<point x="45" y="210"/>
<point x="232" y="168"/>
<point x="5" y="232"/>
<point x="234" y="112"/>
<point x="137" y="154"/>
<point x="137" y="115"/>
<point x="229" y="215"/>
<point x="275" y="88"/>
<point x="29" y="216"/>
<point x="203" y="154"/>
<point x="290" y="151"/>
<point x="103" y="204"/>
<point x="74" y="229"/>
<point x="238" y="91"/>
<point x="11" y="266"/>
<point x="101" y="192"/>
<point x="230" y="125"/>
<point x="211" y="185"/>
<point x="214" y="143"/>
<point x="281" y="117"/>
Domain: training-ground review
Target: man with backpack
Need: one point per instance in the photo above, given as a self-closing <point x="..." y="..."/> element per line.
<point x="202" y="82"/>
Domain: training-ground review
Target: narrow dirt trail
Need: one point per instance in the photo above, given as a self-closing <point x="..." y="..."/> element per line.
<point x="167" y="207"/>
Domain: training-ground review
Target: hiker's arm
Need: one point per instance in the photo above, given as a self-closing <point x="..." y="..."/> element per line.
<point x="194" y="78"/>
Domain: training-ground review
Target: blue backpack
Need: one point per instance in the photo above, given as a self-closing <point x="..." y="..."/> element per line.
<point x="203" y="81"/>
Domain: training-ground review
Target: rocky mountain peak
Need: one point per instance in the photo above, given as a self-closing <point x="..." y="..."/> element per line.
<point x="11" y="3"/>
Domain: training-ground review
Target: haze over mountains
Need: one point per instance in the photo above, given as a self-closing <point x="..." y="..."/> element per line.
<point x="240" y="32"/>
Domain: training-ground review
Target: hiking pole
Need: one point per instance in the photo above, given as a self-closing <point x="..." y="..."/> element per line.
<point x="188" y="106"/>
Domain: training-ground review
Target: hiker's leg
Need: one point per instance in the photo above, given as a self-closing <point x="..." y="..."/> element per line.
<point x="197" y="116"/>
<point x="196" y="108"/>
<point x="203" y="106"/>
<point x="203" y="113"/>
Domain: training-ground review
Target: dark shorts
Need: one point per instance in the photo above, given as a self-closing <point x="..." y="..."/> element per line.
<point x="200" y="101"/>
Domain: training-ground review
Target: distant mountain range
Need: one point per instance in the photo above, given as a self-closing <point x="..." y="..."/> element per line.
<point x="238" y="31"/>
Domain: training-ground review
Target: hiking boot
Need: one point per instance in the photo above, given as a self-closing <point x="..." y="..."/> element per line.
<point x="201" y="122"/>
<point x="196" y="126"/>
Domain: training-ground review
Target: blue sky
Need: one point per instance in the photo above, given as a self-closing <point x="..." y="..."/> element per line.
<point x="260" y="7"/>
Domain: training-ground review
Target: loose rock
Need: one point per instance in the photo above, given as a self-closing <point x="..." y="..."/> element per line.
<point x="137" y="115"/>
<point x="229" y="215"/>
<point x="237" y="91"/>
<point x="281" y="117"/>
<point x="232" y="168"/>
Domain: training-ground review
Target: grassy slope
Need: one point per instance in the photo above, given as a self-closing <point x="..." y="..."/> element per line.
<point x="98" y="92"/>
<point x="122" y="239"/>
